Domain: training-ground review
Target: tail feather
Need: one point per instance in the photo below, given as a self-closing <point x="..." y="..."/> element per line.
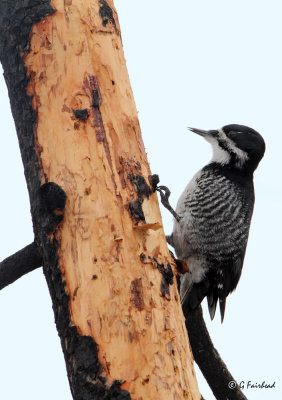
<point x="192" y="296"/>
<point x="212" y="303"/>
<point x="222" y="308"/>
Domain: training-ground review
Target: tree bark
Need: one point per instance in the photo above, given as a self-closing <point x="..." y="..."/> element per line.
<point x="108" y="269"/>
<point x="19" y="264"/>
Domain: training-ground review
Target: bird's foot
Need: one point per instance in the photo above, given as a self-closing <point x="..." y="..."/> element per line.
<point x="165" y="193"/>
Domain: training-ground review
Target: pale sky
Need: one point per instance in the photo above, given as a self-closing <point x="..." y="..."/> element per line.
<point x="203" y="64"/>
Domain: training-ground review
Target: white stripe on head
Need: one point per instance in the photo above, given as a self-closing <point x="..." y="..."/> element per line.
<point x="220" y="155"/>
<point x="223" y="156"/>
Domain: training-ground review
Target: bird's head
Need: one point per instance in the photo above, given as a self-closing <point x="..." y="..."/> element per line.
<point x="235" y="146"/>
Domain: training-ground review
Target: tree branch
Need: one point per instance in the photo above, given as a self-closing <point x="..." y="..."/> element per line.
<point x="19" y="264"/>
<point x="208" y="359"/>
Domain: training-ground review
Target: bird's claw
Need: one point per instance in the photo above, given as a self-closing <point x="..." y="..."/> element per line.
<point x="164" y="196"/>
<point x="165" y="193"/>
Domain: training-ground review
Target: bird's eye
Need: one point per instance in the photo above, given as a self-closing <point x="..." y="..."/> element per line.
<point x="233" y="134"/>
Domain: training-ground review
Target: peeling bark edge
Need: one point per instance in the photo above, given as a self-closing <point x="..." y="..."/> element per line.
<point x="208" y="359"/>
<point x="81" y="353"/>
<point x="84" y="370"/>
<point x="206" y="356"/>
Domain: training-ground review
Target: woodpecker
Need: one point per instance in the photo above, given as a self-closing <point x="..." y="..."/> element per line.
<point x="213" y="217"/>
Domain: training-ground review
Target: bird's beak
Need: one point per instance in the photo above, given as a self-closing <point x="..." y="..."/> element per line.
<point x="200" y="132"/>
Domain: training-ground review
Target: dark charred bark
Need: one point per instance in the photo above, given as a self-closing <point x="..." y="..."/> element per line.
<point x="221" y="382"/>
<point x="81" y="352"/>
<point x="19" y="264"/>
<point x="83" y="367"/>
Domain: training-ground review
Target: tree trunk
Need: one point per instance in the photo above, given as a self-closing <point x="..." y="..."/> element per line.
<point x="109" y="272"/>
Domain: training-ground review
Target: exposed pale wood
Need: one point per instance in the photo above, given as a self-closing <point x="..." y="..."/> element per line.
<point x="115" y="296"/>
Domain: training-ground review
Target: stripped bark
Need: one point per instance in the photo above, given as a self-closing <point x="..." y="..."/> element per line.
<point x="108" y="269"/>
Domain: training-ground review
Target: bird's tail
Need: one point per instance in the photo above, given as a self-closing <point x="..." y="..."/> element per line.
<point x="212" y="298"/>
<point x="212" y="303"/>
<point x="192" y="296"/>
<point x="222" y="308"/>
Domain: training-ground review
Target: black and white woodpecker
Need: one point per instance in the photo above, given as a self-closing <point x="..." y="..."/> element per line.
<point x="213" y="217"/>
